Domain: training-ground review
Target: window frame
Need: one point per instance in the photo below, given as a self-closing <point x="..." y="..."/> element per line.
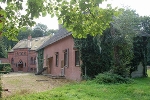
<point x="31" y="60"/>
<point x="56" y="59"/>
<point x="66" y="58"/>
<point x="77" y="58"/>
<point x="12" y="60"/>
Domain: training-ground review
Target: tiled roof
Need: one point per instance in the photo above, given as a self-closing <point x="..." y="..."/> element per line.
<point x="61" y="33"/>
<point x="34" y="44"/>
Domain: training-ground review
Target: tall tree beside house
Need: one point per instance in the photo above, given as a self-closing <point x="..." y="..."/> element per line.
<point x="40" y="59"/>
<point x="141" y="46"/>
<point x="90" y="56"/>
<point x="116" y="46"/>
<point x="145" y="24"/>
<point x="96" y="54"/>
<point x="123" y="29"/>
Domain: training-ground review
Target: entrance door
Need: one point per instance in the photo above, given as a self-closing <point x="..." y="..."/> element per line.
<point x="20" y="67"/>
<point x="62" y="68"/>
<point x="49" y="65"/>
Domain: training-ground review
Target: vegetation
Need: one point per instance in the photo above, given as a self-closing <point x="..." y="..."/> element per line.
<point x="4" y="67"/>
<point x="109" y="78"/>
<point x="2" y="48"/>
<point x="89" y="90"/>
<point x="82" y="17"/>
<point x="113" y="51"/>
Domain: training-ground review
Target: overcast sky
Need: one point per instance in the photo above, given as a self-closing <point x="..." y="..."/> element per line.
<point x="142" y="7"/>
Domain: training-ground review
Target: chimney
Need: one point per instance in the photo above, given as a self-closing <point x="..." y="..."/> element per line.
<point x="29" y="37"/>
<point x="29" y="41"/>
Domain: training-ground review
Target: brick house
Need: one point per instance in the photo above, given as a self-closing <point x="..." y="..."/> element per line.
<point x="22" y="56"/>
<point x="60" y="56"/>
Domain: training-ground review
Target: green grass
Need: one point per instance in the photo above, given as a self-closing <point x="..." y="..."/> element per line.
<point x="88" y="90"/>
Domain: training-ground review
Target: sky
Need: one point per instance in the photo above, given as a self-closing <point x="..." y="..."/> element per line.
<point x="142" y="7"/>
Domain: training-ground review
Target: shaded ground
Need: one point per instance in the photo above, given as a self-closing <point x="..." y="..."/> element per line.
<point x="28" y="82"/>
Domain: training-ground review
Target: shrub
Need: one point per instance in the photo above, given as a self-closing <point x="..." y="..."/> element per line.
<point x="108" y="77"/>
<point x="5" y="67"/>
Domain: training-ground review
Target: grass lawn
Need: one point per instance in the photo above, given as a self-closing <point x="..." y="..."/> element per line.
<point x="88" y="90"/>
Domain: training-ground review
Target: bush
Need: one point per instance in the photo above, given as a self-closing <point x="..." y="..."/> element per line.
<point x="108" y="77"/>
<point x="5" y="67"/>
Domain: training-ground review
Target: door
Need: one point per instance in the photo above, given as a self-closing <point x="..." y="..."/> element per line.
<point x="62" y="68"/>
<point x="49" y="65"/>
<point x="20" y="67"/>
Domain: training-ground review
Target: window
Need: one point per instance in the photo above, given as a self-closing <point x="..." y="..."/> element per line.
<point x="12" y="60"/>
<point x="31" y="60"/>
<point x="57" y="56"/>
<point x="66" y="58"/>
<point x="77" y="59"/>
<point x="34" y="62"/>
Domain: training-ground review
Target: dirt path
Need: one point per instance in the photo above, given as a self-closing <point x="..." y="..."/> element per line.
<point x="28" y="82"/>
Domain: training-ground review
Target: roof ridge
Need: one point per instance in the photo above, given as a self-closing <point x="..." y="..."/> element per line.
<point x="60" y="34"/>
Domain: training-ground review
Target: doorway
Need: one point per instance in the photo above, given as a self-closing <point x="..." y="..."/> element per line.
<point x="20" y="65"/>
<point x="49" y="65"/>
<point x="62" y="68"/>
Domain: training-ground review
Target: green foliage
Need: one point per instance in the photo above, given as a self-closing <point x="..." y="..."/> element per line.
<point x="40" y="59"/>
<point x="110" y="78"/>
<point x="82" y="17"/>
<point x="145" y="24"/>
<point x="123" y="29"/>
<point x="90" y="56"/>
<point x="106" y="56"/>
<point x="96" y="54"/>
<point x="2" y="48"/>
<point x="5" y="67"/>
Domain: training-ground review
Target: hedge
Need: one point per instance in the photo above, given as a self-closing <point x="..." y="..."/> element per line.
<point x="5" y="67"/>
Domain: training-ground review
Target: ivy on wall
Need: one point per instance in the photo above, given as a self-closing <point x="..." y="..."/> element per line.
<point x="40" y="59"/>
<point x="96" y="54"/>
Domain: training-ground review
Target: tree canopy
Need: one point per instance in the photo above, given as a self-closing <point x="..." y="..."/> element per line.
<point x="81" y="17"/>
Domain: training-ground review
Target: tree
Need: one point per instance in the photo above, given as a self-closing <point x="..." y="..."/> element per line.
<point x="82" y="17"/>
<point x="123" y="29"/>
<point x="41" y="27"/>
<point x="37" y="33"/>
<point x="24" y="33"/>
<point x="95" y="53"/>
<point x="51" y="31"/>
<point x="2" y="49"/>
<point x="145" y="24"/>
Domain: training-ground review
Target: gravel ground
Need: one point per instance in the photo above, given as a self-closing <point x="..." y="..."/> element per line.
<point x="22" y="83"/>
